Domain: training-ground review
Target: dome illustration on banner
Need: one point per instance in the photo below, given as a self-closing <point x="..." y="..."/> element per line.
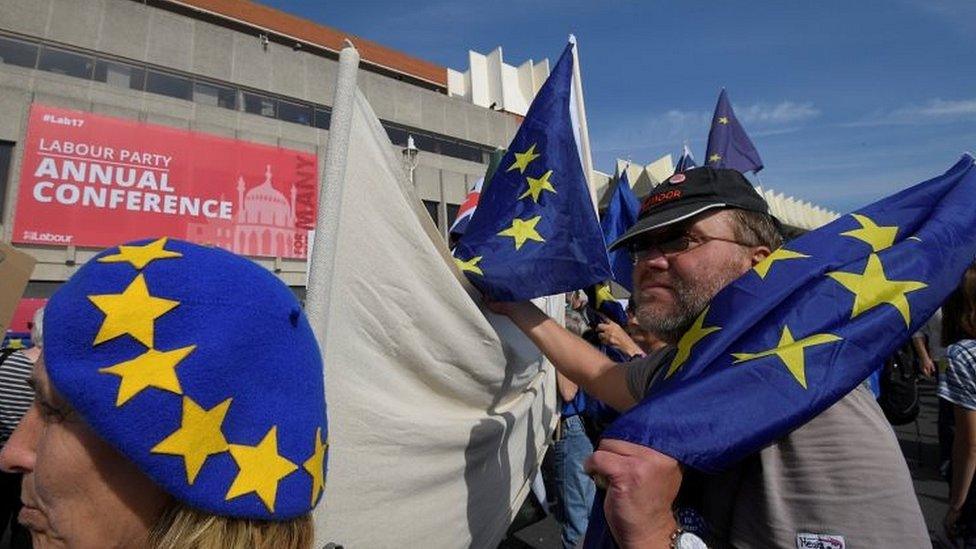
<point x="263" y="225"/>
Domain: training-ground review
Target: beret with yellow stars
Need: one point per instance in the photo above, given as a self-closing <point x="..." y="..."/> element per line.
<point x="200" y="367"/>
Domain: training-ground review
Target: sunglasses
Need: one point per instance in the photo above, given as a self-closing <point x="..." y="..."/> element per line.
<point x="671" y="246"/>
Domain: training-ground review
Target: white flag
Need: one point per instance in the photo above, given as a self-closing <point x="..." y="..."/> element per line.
<point x="438" y="417"/>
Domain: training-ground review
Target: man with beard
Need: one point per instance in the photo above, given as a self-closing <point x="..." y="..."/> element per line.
<point x="838" y="481"/>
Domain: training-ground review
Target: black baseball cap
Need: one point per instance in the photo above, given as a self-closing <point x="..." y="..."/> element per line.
<point x="687" y="194"/>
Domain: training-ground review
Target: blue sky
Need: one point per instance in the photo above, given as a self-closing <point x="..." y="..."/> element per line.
<point x="846" y="102"/>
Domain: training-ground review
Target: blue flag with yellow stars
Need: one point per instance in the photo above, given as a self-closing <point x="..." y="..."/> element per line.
<point x="620" y="215"/>
<point x="535" y="231"/>
<point x="728" y="144"/>
<point x="686" y="162"/>
<point x="601" y="300"/>
<point x="805" y="326"/>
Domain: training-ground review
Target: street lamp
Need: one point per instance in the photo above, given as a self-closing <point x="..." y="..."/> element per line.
<point x="410" y="157"/>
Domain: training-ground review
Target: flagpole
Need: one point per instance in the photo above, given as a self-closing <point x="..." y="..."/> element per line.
<point x="321" y="263"/>
<point x="584" y="130"/>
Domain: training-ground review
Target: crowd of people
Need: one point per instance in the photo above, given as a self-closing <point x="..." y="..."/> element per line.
<point x="104" y="462"/>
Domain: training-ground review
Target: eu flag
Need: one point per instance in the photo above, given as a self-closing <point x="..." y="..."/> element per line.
<point x="535" y="231"/>
<point x="620" y="215"/>
<point x="809" y="323"/>
<point x="728" y="144"/>
<point x="601" y="300"/>
<point x="687" y="161"/>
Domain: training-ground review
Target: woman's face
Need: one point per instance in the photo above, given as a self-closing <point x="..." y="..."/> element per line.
<point x="77" y="490"/>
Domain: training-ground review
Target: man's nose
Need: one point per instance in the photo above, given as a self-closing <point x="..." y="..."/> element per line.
<point x="651" y="258"/>
<point x="19" y="452"/>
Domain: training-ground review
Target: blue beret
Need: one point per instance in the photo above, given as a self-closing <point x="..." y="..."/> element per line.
<point x="200" y="367"/>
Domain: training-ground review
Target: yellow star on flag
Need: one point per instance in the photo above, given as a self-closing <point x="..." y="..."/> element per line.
<point x="723" y="120"/>
<point x="762" y="268"/>
<point x="522" y="159"/>
<point x="470" y="266"/>
<point x="696" y="333"/>
<point x="714" y="158"/>
<point x="140" y="256"/>
<point x="315" y="465"/>
<point x="261" y="468"/>
<point x="132" y="312"/>
<point x="878" y="237"/>
<point x="536" y="186"/>
<point x="522" y="230"/>
<point x="150" y="369"/>
<point x="198" y="437"/>
<point x="872" y="288"/>
<point x="790" y="351"/>
<point x="602" y="294"/>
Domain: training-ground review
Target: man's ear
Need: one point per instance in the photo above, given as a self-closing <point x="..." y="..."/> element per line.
<point x="758" y="254"/>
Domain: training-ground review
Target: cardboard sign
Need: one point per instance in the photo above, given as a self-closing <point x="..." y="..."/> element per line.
<point x="15" y="270"/>
<point x="95" y="180"/>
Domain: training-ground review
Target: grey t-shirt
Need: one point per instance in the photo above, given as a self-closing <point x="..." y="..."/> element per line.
<point x="842" y="474"/>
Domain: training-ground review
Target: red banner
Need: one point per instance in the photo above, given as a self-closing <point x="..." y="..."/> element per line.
<point x="93" y="180"/>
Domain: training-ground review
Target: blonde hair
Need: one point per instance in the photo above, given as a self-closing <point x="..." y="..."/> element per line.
<point x="180" y="527"/>
<point x="37" y="328"/>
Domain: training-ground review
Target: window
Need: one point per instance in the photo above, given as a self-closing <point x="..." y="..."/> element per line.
<point x="426" y="143"/>
<point x="292" y="112"/>
<point x="214" y="95"/>
<point x="6" y="149"/>
<point x="21" y="54"/>
<point x="66" y="63"/>
<point x="397" y="136"/>
<point x="432" y="210"/>
<point x="136" y="76"/>
<point x="169" y="85"/>
<point x="464" y="152"/>
<point x="259" y="104"/>
<point x="37" y="289"/>
<point x="323" y="118"/>
<point x="435" y="143"/>
<point x="452" y="211"/>
<point x="120" y="75"/>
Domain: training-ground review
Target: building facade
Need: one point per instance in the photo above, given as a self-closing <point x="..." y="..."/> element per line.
<point x="229" y="70"/>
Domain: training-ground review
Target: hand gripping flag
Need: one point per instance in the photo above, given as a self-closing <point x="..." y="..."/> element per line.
<point x="535" y="231"/>
<point x="687" y="161"/>
<point x="620" y="215"/>
<point x="804" y="327"/>
<point x="728" y="144"/>
<point x="602" y="301"/>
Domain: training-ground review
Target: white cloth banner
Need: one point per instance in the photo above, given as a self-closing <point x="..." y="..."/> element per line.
<point x="438" y="417"/>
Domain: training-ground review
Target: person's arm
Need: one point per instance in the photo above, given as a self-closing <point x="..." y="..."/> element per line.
<point x="573" y="357"/>
<point x="642" y="484"/>
<point x="610" y="333"/>
<point x="567" y="389"/>
<point x="925" y="359"/>
<point x="963" y="463"/>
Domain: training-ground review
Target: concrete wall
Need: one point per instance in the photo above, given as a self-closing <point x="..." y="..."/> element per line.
<point x="135" y="31"/>
<point x="138" y="32"/>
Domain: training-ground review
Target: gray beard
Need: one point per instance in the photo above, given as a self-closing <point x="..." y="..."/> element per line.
<point x="691" y="298"/>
